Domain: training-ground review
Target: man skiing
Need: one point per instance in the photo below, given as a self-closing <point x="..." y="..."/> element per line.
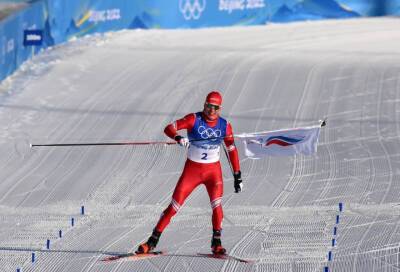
<point x="205" y="131"/>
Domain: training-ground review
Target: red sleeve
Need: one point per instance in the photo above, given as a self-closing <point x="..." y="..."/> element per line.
<point x="232" y="150"/>
<point x="186" y="122"/>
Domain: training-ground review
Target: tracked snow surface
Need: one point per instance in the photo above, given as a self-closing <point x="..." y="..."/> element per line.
<point x="126" y="86"/>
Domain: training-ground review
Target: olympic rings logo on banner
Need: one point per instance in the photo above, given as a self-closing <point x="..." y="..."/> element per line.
<point x="206" y="133"/>
<point x="192" y="9"/>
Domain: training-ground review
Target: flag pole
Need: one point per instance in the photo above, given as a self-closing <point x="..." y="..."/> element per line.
<point x="119" y="143"/>
<point x="103" y="144"/>
<point x="227" y="157"/>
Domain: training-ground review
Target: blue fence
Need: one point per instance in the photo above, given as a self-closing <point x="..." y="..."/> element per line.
<point x="60" y="20"/>
<point x="13" y="52"/>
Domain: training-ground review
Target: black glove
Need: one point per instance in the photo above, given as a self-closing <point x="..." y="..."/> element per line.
<point x="182" y="141"/>
<point x="178" y="138"/>
<point x="238" y="181"/>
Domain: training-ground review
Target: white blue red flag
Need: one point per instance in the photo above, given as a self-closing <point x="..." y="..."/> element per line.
<point x="281" y="142"/>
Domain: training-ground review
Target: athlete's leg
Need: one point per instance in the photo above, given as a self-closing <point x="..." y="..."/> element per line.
<point x="215" y="194"/>
<point x="214" y="185"/>
<point x="215" y="189"/>
<point x="188" y="181"/>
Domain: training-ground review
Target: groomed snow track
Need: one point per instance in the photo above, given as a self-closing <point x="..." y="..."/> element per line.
<point x="128" y="85"/>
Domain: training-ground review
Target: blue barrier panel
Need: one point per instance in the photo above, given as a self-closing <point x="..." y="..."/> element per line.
<point x="393" y="7"/>
<point x="362" y="7"/>
<point x="372" y="7"/>
<point x="8" y="46"/>
<point x="13" y="52"/>
<point x="206" y="13"/>
<point x="80" y="17"/>
<point x="310" y="10"/>
<point x="76" y="18"/>
<point x="32" y="18"/>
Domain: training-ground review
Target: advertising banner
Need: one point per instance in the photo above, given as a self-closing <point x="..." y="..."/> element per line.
<point x="207" y="13"/>
<point x="8" y="41"/>
<point x="76" y="18"/>
<point x="393" y="7"/>
<point x="372" y="7"/>
<point x="13" y="52"/>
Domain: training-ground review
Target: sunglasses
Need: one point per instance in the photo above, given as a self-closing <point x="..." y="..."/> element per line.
<point x="212" y="106"/>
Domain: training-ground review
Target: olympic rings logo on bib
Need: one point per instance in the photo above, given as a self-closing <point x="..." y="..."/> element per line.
<point x="206" y="133"/>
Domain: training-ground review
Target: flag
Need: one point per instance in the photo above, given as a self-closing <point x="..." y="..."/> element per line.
<point x="281" y="142"/>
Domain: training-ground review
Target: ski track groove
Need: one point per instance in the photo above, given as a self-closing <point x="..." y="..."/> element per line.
<point x="97" y="259"/>
<point x="107" y="91"/>
<point x="85" y="153"/>
<point x="383" y="234"/>
<point x="164" y="163"/>
<point x="369" y="186"/>
<point x="267" y="101"/>
<point x="311" y="181"/>
<point x="344" y="232"/>
<point x="107" y="174"/>
<point x="39" y="164"/>
<point x="296" y="178"/>
<point x="373" y="181"/>
<point x="177" y="250"/>
<point x="331" y="155"/>
<point x="227" y="201"/>
<point x="154" y="160"/>
<point x="281" y="199"/>
<point x="387" y="156"/>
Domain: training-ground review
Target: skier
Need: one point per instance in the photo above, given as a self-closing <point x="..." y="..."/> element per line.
<point x="202" y="166"/>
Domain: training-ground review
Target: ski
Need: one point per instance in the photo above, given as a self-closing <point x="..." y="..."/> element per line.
<point x="225" y="257"/>
<point x="133" y="256"/>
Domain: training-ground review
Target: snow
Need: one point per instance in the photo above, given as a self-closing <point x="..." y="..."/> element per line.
<point x="126" y="86"/>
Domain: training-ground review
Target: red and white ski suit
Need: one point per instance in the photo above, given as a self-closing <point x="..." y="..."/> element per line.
<point x="197" y="171"/>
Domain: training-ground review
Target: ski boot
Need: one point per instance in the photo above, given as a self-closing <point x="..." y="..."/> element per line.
<point x="150" y="244"/>
<point x="216" y="246"/>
